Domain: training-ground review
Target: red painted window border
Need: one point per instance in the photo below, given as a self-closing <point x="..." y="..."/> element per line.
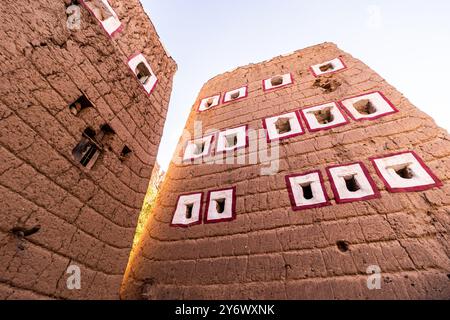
<point x="372" y="183"/>
<point x="291" y="192"/>
<point x="278" y="87"/>
<point x="337" y="104"/>
<point x="237" y="148"/>
<point x="331" y="72"/>
<point x="437" y="183"/>
<point x="235" y="100"/>
<point x="200" y="103"/>
<point x="191" y="160"/>
<point x="200" y="214"/>
<point x="233" y="207"/>
<point x="269" y="140"/>
<point x="395" y="110"/>
<point x="135" y="76"/>
<point x="112" y="35"/>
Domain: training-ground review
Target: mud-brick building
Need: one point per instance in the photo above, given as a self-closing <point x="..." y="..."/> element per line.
<point x="84" y="92"/>
<point x="362" y="189"/>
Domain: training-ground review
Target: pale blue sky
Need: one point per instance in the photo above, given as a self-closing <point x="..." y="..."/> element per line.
<point x="406" y="41"/>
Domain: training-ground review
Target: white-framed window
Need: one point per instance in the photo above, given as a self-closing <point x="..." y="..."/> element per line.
<point x="368" y="106"/>
<point x="143" y="72"/>
<point x="328" y="67"/>
<point x="198" y="148"/>
<point x="235" y="95"/>
<point x="405" y="172"/>
<point x="221" y="205"/>
<point x="188" y="211"/>
<point x="277" y="81"/>
<point x="283" y="126"/>
<point x="209" y="102"/>
<point x="307" y="190"/>
<point x="323" y="117"/>
<point x="232" y="139"/>
<point x="352" y="182"/>
<point x="105" y="14"/>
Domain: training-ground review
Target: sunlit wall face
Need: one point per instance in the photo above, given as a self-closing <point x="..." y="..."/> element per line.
<point x="404" y="41"/>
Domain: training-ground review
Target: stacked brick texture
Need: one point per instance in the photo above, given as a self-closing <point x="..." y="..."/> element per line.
<point x="86" y="217"/>
<point x="271" y="251"/>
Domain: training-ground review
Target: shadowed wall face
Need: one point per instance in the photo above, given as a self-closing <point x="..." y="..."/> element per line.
<point x="342" y="218"/>
<point x="78" y="142"/>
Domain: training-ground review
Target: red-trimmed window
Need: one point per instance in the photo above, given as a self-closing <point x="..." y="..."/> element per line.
<point x="368" y="106"/>
<point x="278" y="81"/>
<point x="307" y="190"/>
<point x="283" y="126"/>
<point x="328" y="67"/>
<point x="323" y="117"/>
<point x="235" y="95"/>
<point x="198" y="148"/>
<point x="232" y="139"/>
<point x="188" y="211"/>
<point x="209" y="102"/>
<point x="104" y="13"/>
<point x="143" y="72"/>
<point x="405" y="172"/>
<point x="352" y="182"/>
<point x="221" y="205"/>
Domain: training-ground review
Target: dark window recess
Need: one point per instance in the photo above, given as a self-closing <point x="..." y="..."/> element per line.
<point x="324" y="116"/>
<point x="143" y="73"/>
<point x="283" y="125"/>
<point x="405" y="173"/>
<point x="220" y="205"/>
<point x="88" y="149"/>
<point x="101" y="11"/>
<point x="307" y="191"/>
<point x="276" y="81"/>
<point x="189" y="208"/>
<point x="352" y="184"/>
<point x="235" y="95"/>
<point x="231" y="140"/>
<point x="209" y="103"/>
<point x="125" y="152"/>
<point x="80" y="104"/>
<point x="365" y="106"/>
<point x="199" y="148"/>
<point x="326" y="67"/>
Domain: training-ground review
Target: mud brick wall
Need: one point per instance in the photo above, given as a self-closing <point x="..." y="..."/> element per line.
<point x="273" y="252"/>
<point x="87" y="217"/>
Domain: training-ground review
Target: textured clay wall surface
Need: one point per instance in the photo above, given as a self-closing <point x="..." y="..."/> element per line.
<point x="87" y="217"/>
<point x="271" y="251"/>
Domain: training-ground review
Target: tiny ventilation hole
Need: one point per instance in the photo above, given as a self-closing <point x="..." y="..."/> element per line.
<point x="405" y="173"/>
<point x="324" y="116"/>
<point x="231" y="140"/>
<point x="235" y="95"/>
<point x="326" y="67"/>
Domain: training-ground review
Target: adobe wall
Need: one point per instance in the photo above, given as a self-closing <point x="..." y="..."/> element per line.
<point x="271" y="251"/>
<point x="87" y="217"/>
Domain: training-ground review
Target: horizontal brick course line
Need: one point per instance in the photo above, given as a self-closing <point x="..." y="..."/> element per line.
<point x="45" y="248"/>
<point x="59" y="185"/>
<point x="85" y="204"/>
<point x="72" y="223"/>
<point x="12" y="285"/>
<point x="302" y="250"/>
<point x="287" y="226"/>
<point x="315" y="278"/>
